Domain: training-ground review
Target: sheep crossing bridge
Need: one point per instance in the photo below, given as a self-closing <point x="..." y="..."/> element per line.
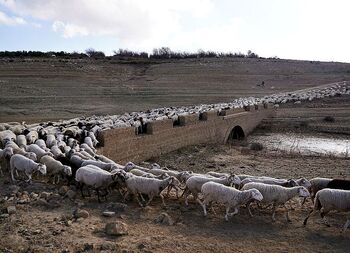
<point x="159" y="137"/>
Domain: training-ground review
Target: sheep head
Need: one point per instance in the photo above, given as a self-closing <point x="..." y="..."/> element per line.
<point x="303" y="192"/>
<point x="255" y="194"/>
<point x="42" y="168"/>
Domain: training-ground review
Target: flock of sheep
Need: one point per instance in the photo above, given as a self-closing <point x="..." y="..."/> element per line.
<point x="66" y="150"/>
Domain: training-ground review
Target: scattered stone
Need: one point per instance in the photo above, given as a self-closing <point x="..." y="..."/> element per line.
<point x="45" y="195"/>
<point x="4" y="216"/>
<point x="36" y="232"/>
<point x="68" y="223"/>
<point x="34" y="196"/>
<point x="11" y="210"/>
<point x="108" y="214"/>
<point x="63" y="190"/>
<point x="80" y="213"/>
<point x="116" y="228"/>
<point x="117" y="207"/>
<point x="55" y="197"/>
<point x="80" y="220"/>
<point x="164" y="219"/>
<point x="107" y="246"/>
<point x="71" y="194"/>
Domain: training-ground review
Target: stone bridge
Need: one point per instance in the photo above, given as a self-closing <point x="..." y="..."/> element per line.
<point x="160" y="137"/>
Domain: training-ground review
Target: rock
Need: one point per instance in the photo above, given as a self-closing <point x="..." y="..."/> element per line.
<point x="80" y="213"/>
<point x="71" y="194"/>
<point x="45" y="195"/>
<point x="68" y="223"/>
<point x="34" y="196"/>
<point x="11" y="210"/>
<point x="55" y="198"/>
<point x="88" y="246"/>
<point x="4" y="216"/>
<point x="108" y="214"/>
<point x="116" y="228"/>
<point x="117" y="207"/>
<point x="63" y="190"/>
<point x="41" y="202"/>
<point x="164" y="219"/>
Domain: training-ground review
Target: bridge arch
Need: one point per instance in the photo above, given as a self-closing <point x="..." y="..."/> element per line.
<point x="237" y="133"/>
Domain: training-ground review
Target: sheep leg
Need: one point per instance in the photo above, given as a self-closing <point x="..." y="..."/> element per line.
<point x="235" y="212"/>
<point x="274" y="212"/>
<point x="227" y="213"/>
<point x="249" y="210"/>
<point x="307" y="217"/>
<point x="287" y="213"/>
<point x="347" y="223"/>
<point x="323" y="215"/>
<point x="136" y="196"/>
<point x="151" y="197"/>
<point x="162" y="197"/>
<point x="203" y="206"/>
<point x="29" y="177"/>
<point x="98" y="195"/>
<point x="12" y="176"/>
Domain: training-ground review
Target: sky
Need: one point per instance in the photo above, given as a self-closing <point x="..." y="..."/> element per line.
<point x="290" y="29"/>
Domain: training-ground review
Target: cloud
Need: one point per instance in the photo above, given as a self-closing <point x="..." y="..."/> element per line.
<point x="12" y="21"/>
<point x="134" y="23"/>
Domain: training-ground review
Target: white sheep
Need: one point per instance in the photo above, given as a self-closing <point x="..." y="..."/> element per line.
<point x="51" y="140"/>
<point x="21" y="163"/>
<point x="194" y="184"/>
<point x="88" y="142"/>
<point x="56" y="151"/>
<point x="55" y="169"/>
<point x="7" y="135"/>
<point x="5" y="154"/>
<point x="21" y="141"/>
<point x="87" y="148"/>
<point x="269" y="180"/>
<point x="93" y="138"/>
<point x="37" y="150"/>
<point x="327" y="200"/>
<point x="41" y="143"/>
<point x="228" y="196"/>
<point x="32" y="136"/>
<point x="94" y="177"/>
<point x="317" y="184"/>
<point x="277" y="195"/>
<point x="102" y="165"/>
<point x="150" y="186"/>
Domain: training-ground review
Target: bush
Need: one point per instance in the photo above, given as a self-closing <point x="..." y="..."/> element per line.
<point x="256" y="146"/>
<point x="329" y="119"/>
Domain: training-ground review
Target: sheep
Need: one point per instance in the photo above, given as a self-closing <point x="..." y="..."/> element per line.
<point x="37" y="150"/>
<point x="194" y="184"/>
<point x="149" y="186"/>
<point x="21" y="163"/>
<point x="55" y="168"/>
<point x="51" y="140"/>
<point x="41" y="143"/>
<point x="21" y="141"/>
<point x="5" y="155"/>
<point x="303" y="182"/>
<point x="277" y="195"/>
<point x="94" y="177"/>
<point x="88" y="142"/>
<point x="93" y="138"/>
<point x="86" y="154"/>
<point x="229" y="196"/>
<point x="130" y="165"/>
<point x="320" y="183"/>
<point x="102" y="165"/>
<point x="327" y="200"/>
<point x="32" y="136"/>
<point x="56" y="151"/>
<point x="87" y="149"/>
<point x="76" y="160"/>
<point x="269" y="180"/>
<point x="7" y="135"/>
<point x="30" y="155"/>
<point x="218" y="174"/>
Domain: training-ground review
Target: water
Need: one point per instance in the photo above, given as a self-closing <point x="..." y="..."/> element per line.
<point x="307" y="145"/>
